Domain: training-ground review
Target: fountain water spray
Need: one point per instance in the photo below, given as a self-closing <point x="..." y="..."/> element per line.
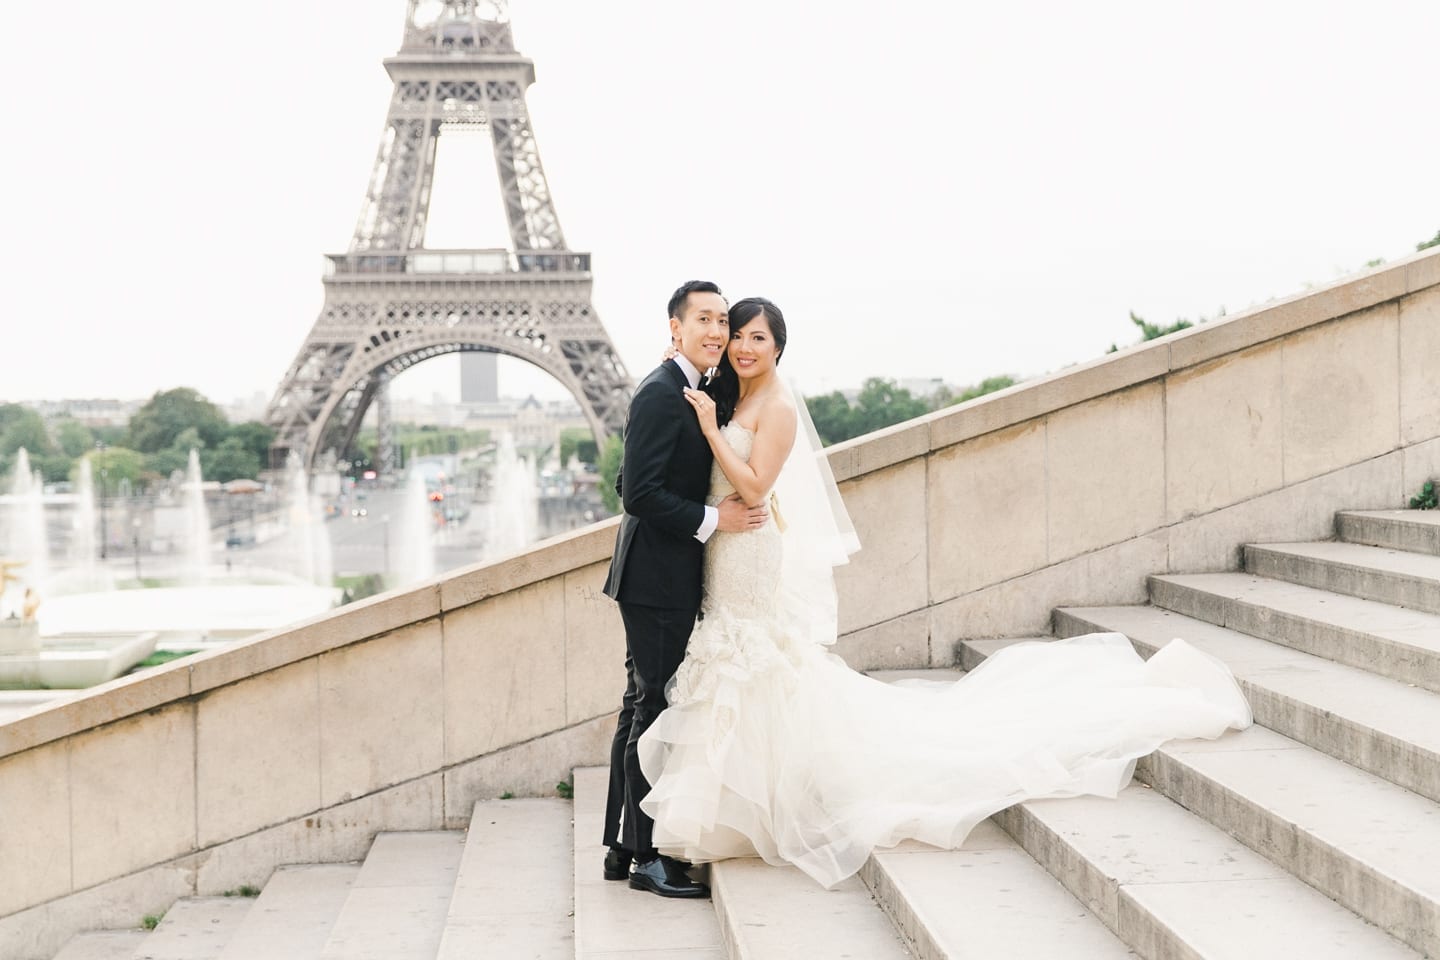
<point x="85" y="574"/>
<point x="197" y="525"/>
<point x="416" y="560"/>
<point x="307" y="540"/>
<point x="24" y="526"/>
<point x="513" y="514"/>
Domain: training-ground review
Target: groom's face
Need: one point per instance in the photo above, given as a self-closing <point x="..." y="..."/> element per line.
<point x="702" y="331"/>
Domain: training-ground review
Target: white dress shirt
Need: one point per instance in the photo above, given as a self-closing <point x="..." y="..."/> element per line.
<point x="712" y="515"/>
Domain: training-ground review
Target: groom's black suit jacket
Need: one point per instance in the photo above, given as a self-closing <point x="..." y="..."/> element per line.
<point x="662" y="483"/>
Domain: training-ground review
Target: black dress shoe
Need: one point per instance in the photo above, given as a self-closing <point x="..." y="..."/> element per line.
<point x="667" y="878"/>
<point x="617" y="864"/>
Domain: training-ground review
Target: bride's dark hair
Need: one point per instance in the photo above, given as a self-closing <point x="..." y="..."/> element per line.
<point x="725" y="388"/>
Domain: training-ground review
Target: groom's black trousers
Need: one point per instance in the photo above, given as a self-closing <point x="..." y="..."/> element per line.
<point x="655" y="641"/>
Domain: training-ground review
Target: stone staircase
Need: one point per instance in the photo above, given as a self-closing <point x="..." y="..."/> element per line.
<point x="1314" y="834"/>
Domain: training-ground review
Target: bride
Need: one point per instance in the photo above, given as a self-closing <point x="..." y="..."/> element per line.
<point x="772" y="746"/>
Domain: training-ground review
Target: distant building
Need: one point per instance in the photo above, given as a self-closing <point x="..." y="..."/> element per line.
<point x="245" y="409"/>
<point x="479" y="378"/>
<point x="92" y="412"/>
<point x="922" y="388"/>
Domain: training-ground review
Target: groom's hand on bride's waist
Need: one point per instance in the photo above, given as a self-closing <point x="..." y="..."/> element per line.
<point x="735" y="517"/>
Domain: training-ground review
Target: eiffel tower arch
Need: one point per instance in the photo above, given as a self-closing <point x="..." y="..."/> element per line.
<point x="391" y="302"/>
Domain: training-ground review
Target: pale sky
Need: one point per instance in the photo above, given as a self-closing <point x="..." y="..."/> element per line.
<point x="927" y="190"/>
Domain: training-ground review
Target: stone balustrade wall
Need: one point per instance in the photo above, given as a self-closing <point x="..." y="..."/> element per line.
<point x="401" y="711"/>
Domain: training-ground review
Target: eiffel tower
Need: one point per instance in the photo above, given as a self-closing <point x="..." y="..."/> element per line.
<point x="391" y="302"/>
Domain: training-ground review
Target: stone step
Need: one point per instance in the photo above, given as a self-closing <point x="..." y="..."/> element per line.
<point x="103" y="945"/>
<point x="398" y="903"/>
<point x="972" y="653"/>
<point x="197" y="928"/>
<point x="1380" y="725"/>
<point x="989" y="898"/>
<point x="1168" y="884"/>
<point x="768" y="912"/>
<point x="1362" y="841"/>
<point x="1372" y="573"/>
<point x="1354" y="836"/>
<point x="1379" y="637"/>
<point x="294" y="914"/>
<point x="1417" y="531"/>
<point x="613" y="921"/>
<point x="514" y="896"/>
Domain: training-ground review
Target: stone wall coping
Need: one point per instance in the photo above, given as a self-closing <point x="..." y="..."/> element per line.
<point x="1134" y="365"/>
<point x="196" y="675"/>
<point x="355" y="622"/>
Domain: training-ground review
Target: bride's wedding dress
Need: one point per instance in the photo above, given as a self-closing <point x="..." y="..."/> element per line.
<point x="771" y="745"/>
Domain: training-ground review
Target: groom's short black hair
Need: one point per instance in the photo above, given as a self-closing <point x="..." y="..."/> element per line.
<point x="678" y="298"/>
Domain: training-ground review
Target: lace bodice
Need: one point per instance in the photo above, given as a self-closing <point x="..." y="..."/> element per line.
<point x="742" y="574"/>
<point x="741" y="440"/>
<point x="742" y="570"/>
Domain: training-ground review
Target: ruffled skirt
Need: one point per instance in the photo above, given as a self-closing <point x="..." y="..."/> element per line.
<point x="781" y="750"/>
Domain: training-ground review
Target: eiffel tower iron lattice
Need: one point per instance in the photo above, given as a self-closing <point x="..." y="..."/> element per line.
<point x="391" y="303"/>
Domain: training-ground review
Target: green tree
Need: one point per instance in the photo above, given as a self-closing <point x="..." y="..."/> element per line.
<point x="118" y="463"/>
<point x="1150" y="331"/>
<point x="831" y="413"/>
<point x="1427" y="244"/>
<point x="159" y="423"/>
<point x="74" y="437"/>
<point x="988" y="385"/>
<point x="255" y="437"/>
<point x="54" y="467"/>
<point x="577" y="442"/>
<point x="108" y="434"/>
<point x="22" y="427"/>
<point x="10" y="412"/>
<point x="229" y="461"/>
<point x="610" y="459"/>
<point x="881" y="404"/>
<point x="176" y="457"/>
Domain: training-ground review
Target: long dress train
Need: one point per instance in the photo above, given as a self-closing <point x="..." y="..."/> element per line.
<point x="772" y="746"/>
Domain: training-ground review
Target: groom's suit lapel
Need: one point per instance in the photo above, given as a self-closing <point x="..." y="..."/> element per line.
<point x="691" y="425"/>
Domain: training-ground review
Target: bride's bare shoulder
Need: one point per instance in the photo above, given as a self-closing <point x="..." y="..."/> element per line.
<point x="778" y="412"/>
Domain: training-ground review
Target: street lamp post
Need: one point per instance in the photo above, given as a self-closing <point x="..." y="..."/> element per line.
<point x="104" y="523"/>
<point x="385" y="560"/>
<point x="136" y="527"/>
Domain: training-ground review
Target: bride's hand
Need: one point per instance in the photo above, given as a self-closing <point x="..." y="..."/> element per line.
<point x="704" y="411"/>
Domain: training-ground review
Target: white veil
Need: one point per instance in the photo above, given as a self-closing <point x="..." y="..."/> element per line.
<point x="816" y="532"/>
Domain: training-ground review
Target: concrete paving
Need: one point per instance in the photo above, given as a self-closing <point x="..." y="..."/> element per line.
<point x="195" y="929"/>
<point x="1373" y="573"/>
<point x="770" y="912"/>
<point x="513" y="897"/>
<point x="294" y="914"/>
<point x="1170" y="885"/>
<point x="398" y="903"/>
<point x="1383" y="726"/>
<point x="614" y="921"/>
<point x="1362" y="841"/>
<point x="103" y="945"/>
<point x="1308" y="835"/>
<point x="987" y="899"/>
<point x="1377" y="637"/>
<point x="1415" y="530"/>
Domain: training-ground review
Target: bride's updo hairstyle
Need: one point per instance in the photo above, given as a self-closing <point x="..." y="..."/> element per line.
<point x="725" y="388"/>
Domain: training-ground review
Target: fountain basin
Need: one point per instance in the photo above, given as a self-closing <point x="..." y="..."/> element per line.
<point x="18" y="637"/>
<point x="74" y="661"/>
<point x="186" y="617"/>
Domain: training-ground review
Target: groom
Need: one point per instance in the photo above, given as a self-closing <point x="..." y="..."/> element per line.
<point x="655" y="571"/>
